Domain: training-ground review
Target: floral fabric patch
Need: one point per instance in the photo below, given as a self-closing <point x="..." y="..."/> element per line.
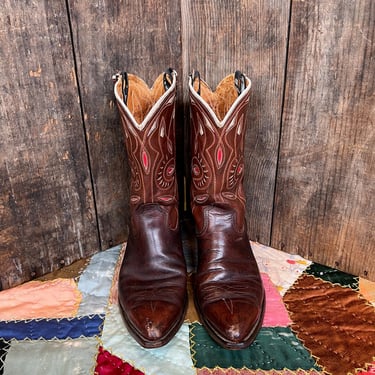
<point x="282" y="268"/>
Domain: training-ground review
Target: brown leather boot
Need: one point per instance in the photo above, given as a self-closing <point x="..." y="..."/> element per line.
<point x="152" y="280"/>
<point x="229" y="293"/>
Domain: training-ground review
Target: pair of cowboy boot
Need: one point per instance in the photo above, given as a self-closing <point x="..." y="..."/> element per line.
<point x="228" y="291"/>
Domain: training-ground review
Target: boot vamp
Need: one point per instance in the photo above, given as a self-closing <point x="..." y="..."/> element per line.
<point x="152" y="279"/>
<point x="154" y="267"/>
<point x="227" y="269"/>
<point x="228" y="284"/>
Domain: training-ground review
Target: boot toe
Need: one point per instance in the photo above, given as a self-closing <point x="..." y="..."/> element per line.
<point x="233" y="324"/>
<point x="154" y="323"/>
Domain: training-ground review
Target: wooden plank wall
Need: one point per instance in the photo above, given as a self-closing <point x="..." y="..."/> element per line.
<point x="46" y="201"/>
<point x="222" y="36"/>
<point x="310" y="138"/>
<point x="324" y="206"/>
<point x="109" y="37"/>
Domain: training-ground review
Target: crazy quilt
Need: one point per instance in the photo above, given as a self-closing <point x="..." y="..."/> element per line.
<point x="318" y="320"/>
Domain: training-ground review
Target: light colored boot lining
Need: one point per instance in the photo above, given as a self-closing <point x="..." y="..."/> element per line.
<point x="140" y="97"/>
<point x="222" y="98"/>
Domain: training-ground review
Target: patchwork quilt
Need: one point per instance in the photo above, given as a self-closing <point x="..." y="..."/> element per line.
<point x="318" y="320"/>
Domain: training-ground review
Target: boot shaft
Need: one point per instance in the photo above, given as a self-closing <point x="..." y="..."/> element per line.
<point x="217" y="145"/>
<point x="148" y="120"/>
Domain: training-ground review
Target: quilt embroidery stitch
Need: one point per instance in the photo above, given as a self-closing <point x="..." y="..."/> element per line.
<point x="318" y="320"/>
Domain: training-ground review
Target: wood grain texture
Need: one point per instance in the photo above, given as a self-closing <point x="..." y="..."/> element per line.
<point x="143" y="38"/>
<point x="220" y="37"/>
<point x="324" y="207"/>
<point x="324" y="199"/>
<point x="47" y="212"/>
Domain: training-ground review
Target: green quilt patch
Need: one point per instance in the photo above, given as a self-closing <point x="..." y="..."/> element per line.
<point x="333" y="275"/>
<point x="275" y="348"/>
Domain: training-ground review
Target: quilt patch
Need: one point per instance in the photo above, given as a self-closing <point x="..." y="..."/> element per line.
<point x="276" y="314"/>
<point x="318" y="320"/>
<point x="109" y="364"/>
<point x="334" y="276"/>
<point x="273" y="349"/>
<point x="48" y="329"/>
<point x="335" y="323"/>
<point x="282" y="268"/>
<point x="59" y="357"/>
<point x="56" y="298"/>
<point x="233" y="371"/>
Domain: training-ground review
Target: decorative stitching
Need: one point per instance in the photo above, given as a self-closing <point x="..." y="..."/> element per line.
<point x="192" y="344"/>
<point x="330" y="270"/>
<point x="27" y="325"/>
<point x="300" y="290"/>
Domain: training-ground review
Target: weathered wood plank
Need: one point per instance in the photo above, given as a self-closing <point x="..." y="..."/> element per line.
<point x="143" y="38"/>
<point x="325" y="189"/>
<point x="47" y="212"/>
<point x="220" y="37"/>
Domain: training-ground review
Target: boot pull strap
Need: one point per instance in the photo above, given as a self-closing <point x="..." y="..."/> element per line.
<point x="168" y="79"/>
<point x="195" y="75"/>
<point x="239" y="81"/>
<point x="125" y="86"/>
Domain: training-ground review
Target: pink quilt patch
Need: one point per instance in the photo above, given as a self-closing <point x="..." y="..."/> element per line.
<point x="59" y="298"/>
<point x="276" y="314"/>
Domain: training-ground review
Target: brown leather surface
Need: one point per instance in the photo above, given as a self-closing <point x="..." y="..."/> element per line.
<point x="152" y="279"/>
<point x="229" y="294"/>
